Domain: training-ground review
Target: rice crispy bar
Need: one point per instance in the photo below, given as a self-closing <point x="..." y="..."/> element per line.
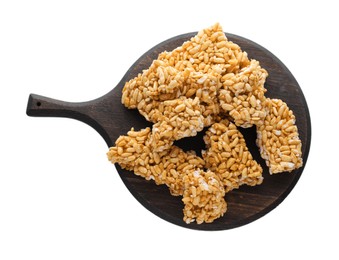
<point x="228" y="156"/>
<point x="278" y="138"/>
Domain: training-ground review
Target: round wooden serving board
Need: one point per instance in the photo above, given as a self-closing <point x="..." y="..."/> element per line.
<point x="111" y="119"/>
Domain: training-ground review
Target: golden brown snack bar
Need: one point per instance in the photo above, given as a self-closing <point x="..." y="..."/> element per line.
<point x="242" y="95"/>
<point x="278" y="138"/>
<point x="203" y="197"/>
<point x="133" y="152"/>
<point x="228" y="156"/>
<point x="176" y="119"/>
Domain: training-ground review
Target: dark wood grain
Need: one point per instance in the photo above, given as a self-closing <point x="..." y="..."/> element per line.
<point x="111" y="119"/>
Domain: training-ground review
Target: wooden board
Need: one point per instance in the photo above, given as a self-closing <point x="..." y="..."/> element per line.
<point x="111" y="119"/>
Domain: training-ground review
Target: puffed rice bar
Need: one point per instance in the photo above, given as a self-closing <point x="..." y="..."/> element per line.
<point x="133" y="152"/>
<point x="242" y="95"/>
<point x="278" y="138"/>
<point x="203" y="197"/>
<point x="228" y="156"/>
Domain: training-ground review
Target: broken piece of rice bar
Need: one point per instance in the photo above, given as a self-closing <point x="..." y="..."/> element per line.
<point x="176" y="119"/>
<point x="228" y="156"/>
<point x="130" y="151"/>
<point x="208" y="48"/>
<point x="242" y="95"/>
<point x="133" y="152"/>
<point x="197" y="85"/>
<point x="278" y="138"/>
<point x="203" y="197"/>
<point x="175" y="164"/>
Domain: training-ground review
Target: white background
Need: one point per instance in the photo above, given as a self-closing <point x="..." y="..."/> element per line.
<point x="59" y="196"/>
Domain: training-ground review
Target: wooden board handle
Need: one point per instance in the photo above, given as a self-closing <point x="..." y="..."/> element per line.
<point x="40" y="106"/>
<point x="49" y="107"/>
